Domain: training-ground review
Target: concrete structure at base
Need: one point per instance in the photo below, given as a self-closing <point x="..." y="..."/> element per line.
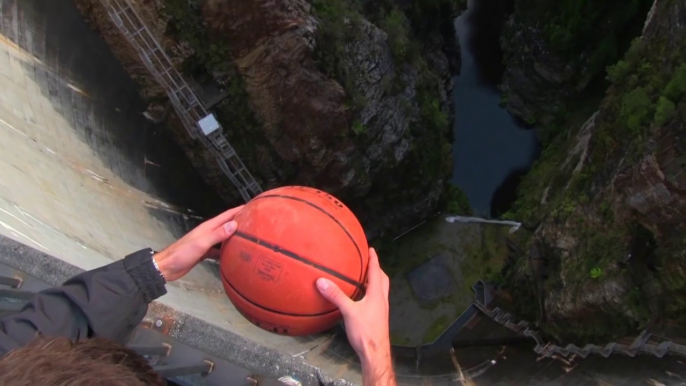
<point x="86" y="179"/>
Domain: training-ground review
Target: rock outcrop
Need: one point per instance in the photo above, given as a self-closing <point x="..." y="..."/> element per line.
<point x="300" y="126"/>
<point x="608" y="202"/>
<point x="554" y="51"/>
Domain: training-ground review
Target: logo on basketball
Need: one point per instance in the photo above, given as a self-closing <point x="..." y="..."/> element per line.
<point x="268" y="270"/>
<point x="244" y="256"/>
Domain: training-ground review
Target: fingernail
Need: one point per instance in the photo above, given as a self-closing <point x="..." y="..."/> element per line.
<point x="323" y="284"/>
<point x="231" y="226"/>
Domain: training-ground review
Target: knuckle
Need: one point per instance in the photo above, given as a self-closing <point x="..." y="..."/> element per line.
<point x="220" y="233"/>
<point x="333" y="294"/>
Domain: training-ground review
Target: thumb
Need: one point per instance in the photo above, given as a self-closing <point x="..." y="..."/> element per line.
<point x="332" y="293"/>
<point x="220" y="234"/>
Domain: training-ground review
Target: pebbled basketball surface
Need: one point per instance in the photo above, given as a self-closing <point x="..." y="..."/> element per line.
<point x="286" y="239"/>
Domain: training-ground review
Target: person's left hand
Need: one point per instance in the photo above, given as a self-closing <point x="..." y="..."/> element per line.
<point x="178" y="259"/>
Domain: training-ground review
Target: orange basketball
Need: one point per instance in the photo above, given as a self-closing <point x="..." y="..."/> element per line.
<point x="287" y="238"/>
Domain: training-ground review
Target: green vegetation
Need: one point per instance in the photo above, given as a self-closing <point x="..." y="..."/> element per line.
<point x="677" y="85"/>
<point x="211" y="57"/>
<point x="432" y="113"/>
<point x="358" y="128"/>
<point x="396" y="26"/>
<point x="636" y="106"/>
<point x="647" y="86"/>
<point x="664" y="112"/>
<point x="485" y="258"/>
<point x="543" y="183"/>
<point x="186" y="23"/>
<point x="436" y="329"/>
<point x="400" y="340"/>
<point x="339" y="25"/>
<point x="456" y="201"/>
<point x="585" y="35"/>
<point x="434" y="130"/>
<point x="413" y="249"/>
<point x="618" y="72"/>
<point x="572" y="26"/>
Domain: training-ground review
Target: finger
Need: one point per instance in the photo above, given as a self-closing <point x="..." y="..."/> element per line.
<point x="332" y="293"/>
<point x="386" y="286"/>
<point x="374" y="271"/>
<point x="220" y="220"/>
<point x="218" y="235"/>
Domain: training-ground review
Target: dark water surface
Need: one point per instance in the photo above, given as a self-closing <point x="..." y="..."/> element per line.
<point x="492" y="150"/>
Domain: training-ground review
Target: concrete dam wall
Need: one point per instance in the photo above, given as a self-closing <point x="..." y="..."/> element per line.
<point x="84" y="177"/>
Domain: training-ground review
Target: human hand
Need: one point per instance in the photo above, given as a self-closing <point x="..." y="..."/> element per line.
<point x="178" y="259"/>
<point x="366" y="323"/>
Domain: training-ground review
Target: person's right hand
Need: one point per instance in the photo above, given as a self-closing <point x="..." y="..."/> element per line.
<point x="366" y="323"/>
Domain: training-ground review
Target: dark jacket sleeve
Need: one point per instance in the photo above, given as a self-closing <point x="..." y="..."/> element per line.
<point x="107" y="302"/>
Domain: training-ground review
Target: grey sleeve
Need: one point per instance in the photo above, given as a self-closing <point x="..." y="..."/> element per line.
<point x="107" y="302"/>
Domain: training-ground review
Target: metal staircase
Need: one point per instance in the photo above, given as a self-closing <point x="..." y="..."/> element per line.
<point x="641" y="344"/>
<point x="187" y="105"/>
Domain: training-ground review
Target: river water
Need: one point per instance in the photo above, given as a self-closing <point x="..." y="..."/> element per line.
<point x="492" y="150"/>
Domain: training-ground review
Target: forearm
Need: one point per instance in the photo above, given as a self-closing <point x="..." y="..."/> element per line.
<point x="377" y="369"/>
<point x="106" y="302"/>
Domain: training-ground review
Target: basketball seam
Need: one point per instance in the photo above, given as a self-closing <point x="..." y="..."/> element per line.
<point x="357" y="247"/>
<point x="227" y="281"/>
<point x="295" y="256"/>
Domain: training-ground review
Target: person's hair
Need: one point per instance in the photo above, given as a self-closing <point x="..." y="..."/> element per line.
<point x="59" y="361"/>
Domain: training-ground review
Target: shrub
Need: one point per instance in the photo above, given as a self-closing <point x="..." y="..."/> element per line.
<point x="618" y="72"/>
<point x="396" y="26"/>
<point x="338" y="26"/>
<point x="664" y="112"/>
<point x="358" y="128"/>
<point x="432" y="113"/>
<point x="457" y="202"/>
<point x="635" y="108"/>
<point x="677" y="86"/>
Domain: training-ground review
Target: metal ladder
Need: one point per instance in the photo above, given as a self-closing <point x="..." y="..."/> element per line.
<point x="640" y="345"/>
<point x="186" y="104"/>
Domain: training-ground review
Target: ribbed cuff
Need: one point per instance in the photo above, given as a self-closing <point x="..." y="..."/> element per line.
<point x="144" y="274"/>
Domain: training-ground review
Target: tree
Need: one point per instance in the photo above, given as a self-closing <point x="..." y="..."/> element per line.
<point x="635" y="108"/>
<point x="664" y="112"/>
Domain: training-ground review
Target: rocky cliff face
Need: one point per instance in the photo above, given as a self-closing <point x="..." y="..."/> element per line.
<point x="363" y="136"/>
<point x="554" y="51"/>
<point x="607" y="200"/>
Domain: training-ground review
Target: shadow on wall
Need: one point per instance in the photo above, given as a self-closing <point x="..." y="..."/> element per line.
<point x="506" y="194"/>
<point x="86" y="84"/>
